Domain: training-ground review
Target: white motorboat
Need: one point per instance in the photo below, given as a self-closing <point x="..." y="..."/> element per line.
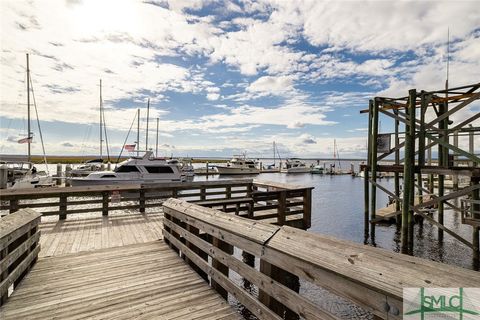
<point x="32" y="179"/>
<point x="136" y="170"/>
<point x="294" y="166"/>
<point x="86" y="168"/>
<point x="238" y="165"/>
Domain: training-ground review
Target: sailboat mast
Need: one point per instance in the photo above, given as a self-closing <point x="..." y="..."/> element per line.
<point x="273" y="153"/>
<point x="101" y="122"/>
<point x="138" y="130"/>
<point x="156" y="141"/>
<point x="148" y="119"/>
<point x="29" y="140"/>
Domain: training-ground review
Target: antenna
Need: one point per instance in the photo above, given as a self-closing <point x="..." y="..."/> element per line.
<point x="448" y="57"/>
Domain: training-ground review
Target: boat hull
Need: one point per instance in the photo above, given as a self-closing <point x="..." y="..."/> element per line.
<point x="296" y="170"/>
<point x="233" y="170"/>
<point x="76" y="182"/>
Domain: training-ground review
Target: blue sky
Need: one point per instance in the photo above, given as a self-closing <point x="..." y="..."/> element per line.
<point x="224" y="76"/>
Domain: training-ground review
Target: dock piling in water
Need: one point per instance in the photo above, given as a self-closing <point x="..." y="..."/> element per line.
<point x="430" y="134"/>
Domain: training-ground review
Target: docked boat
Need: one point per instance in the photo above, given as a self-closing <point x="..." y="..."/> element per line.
<point x="32" y="179"/>
<point x="317" y="170"/>
<point x="185" y="166"/>
<point x="25" y="175"/>
<point x="136" y="170"/>
<point x="238" y="165"/>
<point x="87" y="167"/>
<point x="294" y="166"/>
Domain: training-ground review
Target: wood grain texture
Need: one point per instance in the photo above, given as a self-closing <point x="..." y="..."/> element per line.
<point x="139" y="281"/>
<point x="86" y="232"/>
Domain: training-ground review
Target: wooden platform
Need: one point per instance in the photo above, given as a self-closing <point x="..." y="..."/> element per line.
<point x="139" y="281"/>
<point x="86" y="232"/>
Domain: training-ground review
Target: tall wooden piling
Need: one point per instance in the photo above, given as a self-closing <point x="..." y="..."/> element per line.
<point x="373" y="166"/>
<point x="397" y="162"/>
<point x="408" y="171"/>
<point x="366" y="177"/>
<point x="476" y="215"/>
<point x="442" y="162"/>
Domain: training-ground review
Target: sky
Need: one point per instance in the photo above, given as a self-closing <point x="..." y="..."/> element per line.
<point x="224" y="77"/>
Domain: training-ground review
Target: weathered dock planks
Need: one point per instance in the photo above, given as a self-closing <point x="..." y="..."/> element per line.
<point x="139" y="281"/>
<point x="89" y="232"/>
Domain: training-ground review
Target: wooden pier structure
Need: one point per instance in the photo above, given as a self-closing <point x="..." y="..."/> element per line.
<point x="185" y="260"/>
<point x="417" y="168"/>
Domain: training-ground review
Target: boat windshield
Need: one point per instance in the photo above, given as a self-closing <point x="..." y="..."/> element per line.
<point x="127" y="169"/>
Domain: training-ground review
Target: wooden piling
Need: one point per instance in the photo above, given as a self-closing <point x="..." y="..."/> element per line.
<point x="455" y="176"/>
<point x="408" y="172"/>
<point x="442" y="163"/>
<point x="59" y="174"/>
<point x="475" y="232"/>
<point x="373" y="166"/>
<point x="396" y="174"/>
<point x="366" y="177"/>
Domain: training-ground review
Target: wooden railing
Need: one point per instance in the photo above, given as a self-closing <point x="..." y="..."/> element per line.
<point x="276" y="203"/>
<point x="372" y="278"/>
<point x="19" y="247"/>
<point x="470" y="209"/>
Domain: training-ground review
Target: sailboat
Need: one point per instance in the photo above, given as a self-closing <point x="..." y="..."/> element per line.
<point x="95" y="165"/>
<point x="32" y="178"/>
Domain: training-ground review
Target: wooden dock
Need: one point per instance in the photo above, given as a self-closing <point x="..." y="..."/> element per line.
<point x="138" y="281"/>
<point x="187" y="261"/>
<point x="86" y="232"/>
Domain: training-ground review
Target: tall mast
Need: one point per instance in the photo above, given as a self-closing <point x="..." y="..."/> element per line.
<point x="273" y="153"/>
<point x="148" y="118"/>
<point x="138" y="130"/>
<point x="101" y="121"/>
<point x="29" y="140"/>
<point x="156" y="141"/>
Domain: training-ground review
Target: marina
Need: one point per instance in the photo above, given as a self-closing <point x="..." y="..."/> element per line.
<point x="106" y="240"/>
<point x="239" y="159"/>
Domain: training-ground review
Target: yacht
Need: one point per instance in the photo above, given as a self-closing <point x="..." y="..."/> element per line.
<point x="32" y="179"/>
<point x="238" y="165"/>
<point x="294" y="166"/>
<point x="318" y="169"/>
<point x="86" y="168"/>
<point x="136" y="170"/>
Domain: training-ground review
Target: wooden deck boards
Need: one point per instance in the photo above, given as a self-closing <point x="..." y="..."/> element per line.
<point x="137" y="281"/>
<point x="92" y="232"/>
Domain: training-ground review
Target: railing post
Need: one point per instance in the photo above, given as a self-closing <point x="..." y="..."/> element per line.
<point x="284" y="277"/>
<point x="203" y="193"/>
<point x="63" y="207"/>
<point x="3" y="275"/>
<point x="105" y="203"/>
<point x="194" y="231"/>
<point x="142" y="201"/>
<point x="13" y="205"/>
<point x="282" y="206"/>
<point x="228" y="192"/>
<point x="307" y="208"/>
<point x="224" y="246"/>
